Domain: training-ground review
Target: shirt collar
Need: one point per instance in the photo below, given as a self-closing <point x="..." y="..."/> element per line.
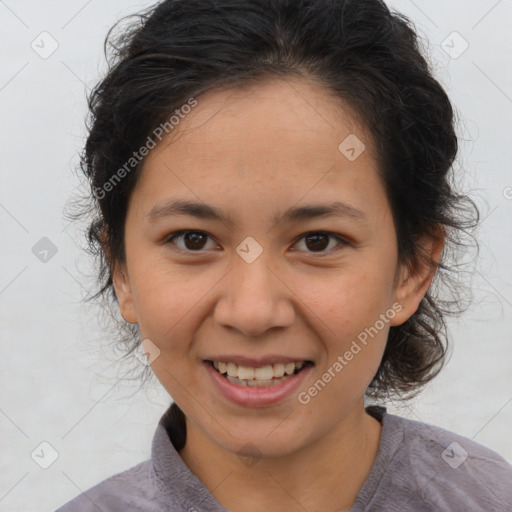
<point x="180" y="484"/>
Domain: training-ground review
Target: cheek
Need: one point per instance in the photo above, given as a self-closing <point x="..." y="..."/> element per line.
<point x="169" y="307"/>
<point x="349" y="301"/>
<point x="356" y="314"/>
<point x="358" y="332"/>
<point x="165" y="300"/>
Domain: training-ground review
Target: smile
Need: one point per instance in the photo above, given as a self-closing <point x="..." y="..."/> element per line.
<point x="268" y="375"/>
<point x="259" y="387"/>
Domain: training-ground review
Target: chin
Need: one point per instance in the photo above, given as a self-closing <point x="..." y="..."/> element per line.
<point x="270" y="441"/>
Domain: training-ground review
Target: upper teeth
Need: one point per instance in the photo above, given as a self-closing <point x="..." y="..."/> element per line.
<point x="262" y="373"/>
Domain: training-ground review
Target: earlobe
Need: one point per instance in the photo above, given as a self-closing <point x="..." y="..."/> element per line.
<point x="413" y="284"/>
<point x="124" y="294"/>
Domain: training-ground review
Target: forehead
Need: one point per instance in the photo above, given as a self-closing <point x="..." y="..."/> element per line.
<point x="283" y="114"/>
<point x="278" y="141"/>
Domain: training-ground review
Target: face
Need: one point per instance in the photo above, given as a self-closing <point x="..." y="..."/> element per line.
<point x="255" y="285"/>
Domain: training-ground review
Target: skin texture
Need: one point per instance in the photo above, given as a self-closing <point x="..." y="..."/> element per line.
<point x="253" y="153"/>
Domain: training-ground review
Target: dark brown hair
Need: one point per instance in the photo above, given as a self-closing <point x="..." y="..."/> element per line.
<point x="361" y="52"/>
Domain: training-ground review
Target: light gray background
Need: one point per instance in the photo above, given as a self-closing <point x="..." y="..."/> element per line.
<point x="58" y="379"/>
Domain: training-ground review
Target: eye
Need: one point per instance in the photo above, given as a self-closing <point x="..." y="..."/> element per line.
<point x="195" y="241"/>
<point x="317" y="241"/>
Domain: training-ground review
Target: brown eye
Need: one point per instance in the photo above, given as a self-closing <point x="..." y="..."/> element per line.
<point x="315" y="242"/>
<point x="318" y="241"/>
<point x="193" y="241"/>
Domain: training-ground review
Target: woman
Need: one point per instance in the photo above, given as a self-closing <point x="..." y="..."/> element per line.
<point x="273" y="198"/>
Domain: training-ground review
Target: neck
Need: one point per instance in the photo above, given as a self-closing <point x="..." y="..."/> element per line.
<point x="325" y="475"/>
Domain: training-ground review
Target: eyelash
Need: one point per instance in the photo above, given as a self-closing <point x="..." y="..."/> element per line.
<point x="342" y="241"/>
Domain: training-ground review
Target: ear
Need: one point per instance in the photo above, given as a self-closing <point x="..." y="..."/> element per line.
<point x="413" y="284"/>
<point x="124" y="294"/>
<point x="120" y="281"/>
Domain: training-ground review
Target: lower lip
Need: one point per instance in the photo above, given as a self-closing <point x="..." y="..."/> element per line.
<point x="257" y="397"/>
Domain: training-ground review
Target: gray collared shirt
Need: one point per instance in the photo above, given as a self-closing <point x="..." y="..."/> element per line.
<point x="419" y="468"/>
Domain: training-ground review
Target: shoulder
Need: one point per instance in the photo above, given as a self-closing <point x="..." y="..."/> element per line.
<point x="448" y="471"/>
<point x="129" y="490"/>
<point x="164" y="482"/>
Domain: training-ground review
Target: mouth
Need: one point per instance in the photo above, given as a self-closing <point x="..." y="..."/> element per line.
<point x="264" y="376"/>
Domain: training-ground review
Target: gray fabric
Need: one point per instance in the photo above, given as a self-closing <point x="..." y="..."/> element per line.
<point x="416" y="470"/>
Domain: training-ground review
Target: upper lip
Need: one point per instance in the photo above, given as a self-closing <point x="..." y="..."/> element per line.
<point x="256" y="362"/>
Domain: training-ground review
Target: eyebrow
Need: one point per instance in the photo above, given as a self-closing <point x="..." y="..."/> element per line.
<point x="204" y="211"/>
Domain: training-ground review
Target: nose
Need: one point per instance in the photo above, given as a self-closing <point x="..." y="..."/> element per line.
<point x="254" y="298"/>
